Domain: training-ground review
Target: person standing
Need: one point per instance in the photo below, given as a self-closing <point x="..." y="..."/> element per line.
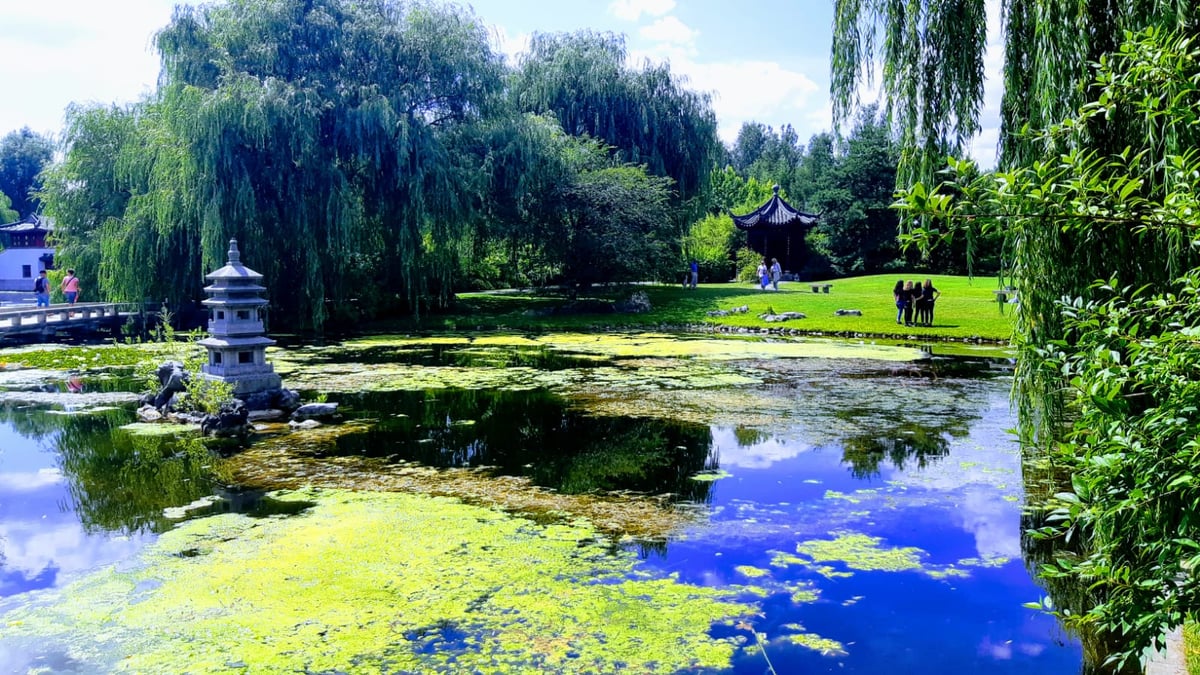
<point x="776" y="273"/>
<point x="901" y="298"/>
<point x="761" y="273"/>
<point x="912" y="293"/>
<point x="70" y="287"/>
<point x="928" y="295"/>
<point x="41" y="289"/>
<point x="695" y="269"/>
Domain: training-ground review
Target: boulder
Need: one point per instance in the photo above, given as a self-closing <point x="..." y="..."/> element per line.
<point x="727" y="312"/>
<point x="315" y="411"/>
<point x="304" y="424"/>
<point x="148" y="413"/>
<point x="278" y="399"/>
<point x="783" y="316"/>
<point x="172" y="379"/>
<point x="230" y="420"/>
<point x="265" y="415"/>
<point x="848" y="312"/>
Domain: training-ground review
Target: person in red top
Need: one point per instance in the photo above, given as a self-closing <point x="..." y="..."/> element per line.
<point x="70" y="287"/>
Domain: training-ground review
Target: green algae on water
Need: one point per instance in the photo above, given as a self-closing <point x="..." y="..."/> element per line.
<point x="368" y="582"/>
<point x="862" y="552"/>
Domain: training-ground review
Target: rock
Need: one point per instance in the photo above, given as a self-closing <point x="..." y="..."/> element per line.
<point x="148" y="413"/>
<point x="267" y="415"/>
<point x="848" y="312"/>
<point x="287" y="400"/>
<point x="187" y="417"/>
<point x="172" y="379"/>
<point x="783" y="316"/>
<point x="277" y="399"/>
<point x="305" y="424"/>
<point x="229" y="421"/>
<point x="317" y="411"/>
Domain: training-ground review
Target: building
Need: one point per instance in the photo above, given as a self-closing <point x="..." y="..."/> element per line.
<point x="25" y="252"/>
<point x="777" y="230"/>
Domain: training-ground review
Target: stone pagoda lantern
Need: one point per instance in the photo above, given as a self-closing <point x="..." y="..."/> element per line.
<point x="237" y="341"/>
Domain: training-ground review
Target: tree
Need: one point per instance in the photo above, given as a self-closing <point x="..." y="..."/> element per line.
<point x="858" y="229"/>
<point x="23" y="155"/>
<point x="648" y="115"/>
<point x="325" y="133"/>
<point x="617" y="226"/>
<point x="91" y="189"/>
<point x="713" y="240"/>
<point x="749" y="145"/>
<point x="1123" y="355"/>
<point x="7" y="215"/>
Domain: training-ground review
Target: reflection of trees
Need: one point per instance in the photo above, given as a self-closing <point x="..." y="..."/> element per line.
<point x="31" y="424"/>
<point x="535" y="434"/>
<point x="901" y="443"/>
<point x="748" y="437"/>
<point x="122" y="482"/>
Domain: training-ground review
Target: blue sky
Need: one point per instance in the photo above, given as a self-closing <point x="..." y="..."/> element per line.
<point x="761" y="60"/>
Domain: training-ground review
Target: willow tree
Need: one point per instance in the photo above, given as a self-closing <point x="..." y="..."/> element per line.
<point x="123" y="203"/>
<point x="321" y="131"/>
<point x="932" y="55"/>
<point x="646" y="113"/>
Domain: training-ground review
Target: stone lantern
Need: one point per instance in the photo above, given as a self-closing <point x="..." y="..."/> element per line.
<point x="237" y="341"/>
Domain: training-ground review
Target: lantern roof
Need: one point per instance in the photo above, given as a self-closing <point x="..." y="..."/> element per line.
<point x="234" y="270"/>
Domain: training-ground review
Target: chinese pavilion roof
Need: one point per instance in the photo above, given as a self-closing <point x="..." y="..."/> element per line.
<point x="775" y="214"/>
<point x="34" y="223"/>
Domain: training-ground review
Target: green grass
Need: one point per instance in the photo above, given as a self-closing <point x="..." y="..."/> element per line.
<point x="1191" y="647"/>
<point x="966" y="309"/>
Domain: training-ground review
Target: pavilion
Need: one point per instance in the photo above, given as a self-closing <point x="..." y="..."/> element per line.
<point x="777" y="230"/>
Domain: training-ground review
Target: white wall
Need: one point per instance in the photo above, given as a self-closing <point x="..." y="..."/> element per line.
<point x="11" y="260"/>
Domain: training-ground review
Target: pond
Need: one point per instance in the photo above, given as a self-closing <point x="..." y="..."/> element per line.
<point x="561" y="503"/>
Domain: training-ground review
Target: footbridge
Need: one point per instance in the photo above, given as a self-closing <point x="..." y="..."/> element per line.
<point x="48" y="322"/>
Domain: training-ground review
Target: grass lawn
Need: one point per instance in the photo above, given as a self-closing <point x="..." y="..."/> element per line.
<point x="1191" y="648"/>
<point x="966" y="309"/>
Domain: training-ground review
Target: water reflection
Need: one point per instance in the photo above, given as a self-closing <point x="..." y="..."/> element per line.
<point x="43" y="538"/>
<point x="535" y="434"/>
<point x="913" y="460"/>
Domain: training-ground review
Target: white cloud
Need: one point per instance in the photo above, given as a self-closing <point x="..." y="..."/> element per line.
<point x="671" y="30"/>
<point x="983" y="148"/>
<point x="758" y="456"/>
<point x="29" y="481"/>
<point x="60" y="51"/>
<point x="511" y="46"/>
<point x="762" y="91"/>
<point x="33" y="546"/>
<point x="632" y="10"/>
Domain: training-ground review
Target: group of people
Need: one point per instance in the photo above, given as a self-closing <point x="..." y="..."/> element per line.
<point x="914" y="302"/>
<point x="769" y="274"/>
<point x="69" y="287"/>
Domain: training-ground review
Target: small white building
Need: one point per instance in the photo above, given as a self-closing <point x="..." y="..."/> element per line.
<point x="24" y="252"/>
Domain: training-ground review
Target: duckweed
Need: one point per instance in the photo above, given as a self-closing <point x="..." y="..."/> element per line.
<point x="370" y="582"/>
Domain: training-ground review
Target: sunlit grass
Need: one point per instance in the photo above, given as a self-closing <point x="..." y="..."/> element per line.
<point x="1191" y="648"/>
<point x="967" y="308"/>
